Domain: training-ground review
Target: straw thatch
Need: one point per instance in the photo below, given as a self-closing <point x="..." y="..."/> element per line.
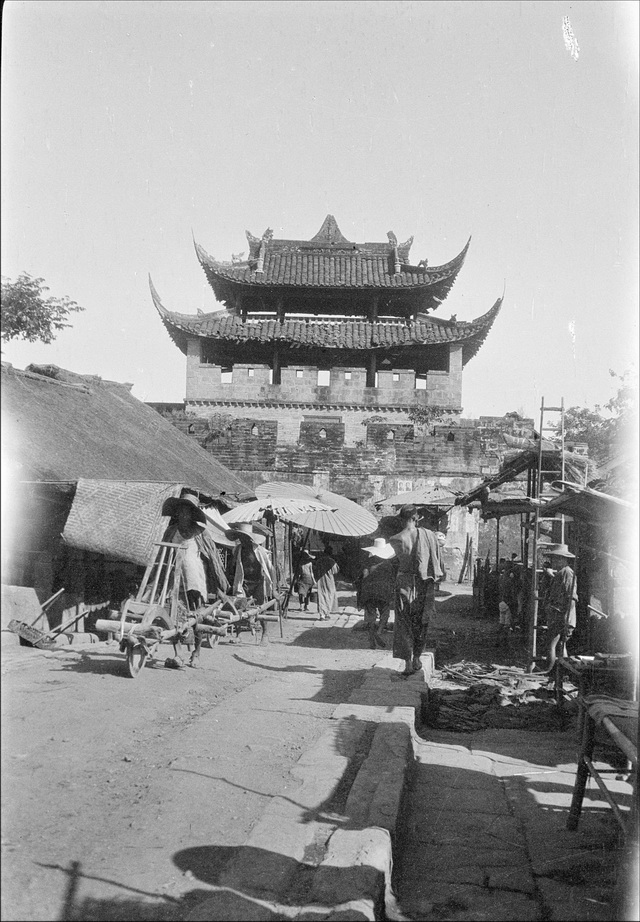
<point x="118" y="519"/>
<point x="61" y="427"/>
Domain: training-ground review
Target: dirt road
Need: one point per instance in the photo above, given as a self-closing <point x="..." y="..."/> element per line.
<point x="106" y="779"/>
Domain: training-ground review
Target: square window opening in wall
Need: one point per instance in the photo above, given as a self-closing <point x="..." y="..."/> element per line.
<point x="396" y="376"/>
<point x="324" y="378"/>
<point x="226" y="374"/>
<point x="421" y="382"/>
<point x="299" y="373"/>
<point x="250" y="372"/>
<point x="347" y="376"/>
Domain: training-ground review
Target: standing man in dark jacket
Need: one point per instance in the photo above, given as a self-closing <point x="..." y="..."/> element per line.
<point x="420" y="568"/>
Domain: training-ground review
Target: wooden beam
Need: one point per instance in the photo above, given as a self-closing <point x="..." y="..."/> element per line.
<point x="371" y="370"/>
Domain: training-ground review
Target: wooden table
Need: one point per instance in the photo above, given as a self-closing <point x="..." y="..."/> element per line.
<point x="591" y="675"/>
<point x="619" y="720"/>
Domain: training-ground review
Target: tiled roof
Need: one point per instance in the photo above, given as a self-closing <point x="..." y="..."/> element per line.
<point x="328" y="260"/>
<point x="338" y="334"/>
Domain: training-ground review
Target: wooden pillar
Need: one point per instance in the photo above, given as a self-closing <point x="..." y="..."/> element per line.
<point x="276" y="365"/>
<point x="374" y="307"/>
<point x="371" y="370"/>
<point x="280" y="315"/>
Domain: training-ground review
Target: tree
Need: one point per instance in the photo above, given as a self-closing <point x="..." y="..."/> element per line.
<point x="609" y="427"/>
<point x="27" y="314"/>
<point x="429" y="415"/>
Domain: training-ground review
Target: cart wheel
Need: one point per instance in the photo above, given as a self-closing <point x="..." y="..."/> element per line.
<point x="157" y="615"/>
<point x="136" y="658"/>
<point x="211" y="640"/>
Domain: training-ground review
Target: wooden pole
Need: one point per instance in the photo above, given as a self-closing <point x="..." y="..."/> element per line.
<point x="274" y="552"/>
<point x="46" y="604"/>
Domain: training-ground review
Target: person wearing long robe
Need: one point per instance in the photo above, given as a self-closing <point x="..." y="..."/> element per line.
<point x="324" y="570"/>
<point x="419" y="568"/>
<point x="253" y="571"/>
<point x="202" y="573"/>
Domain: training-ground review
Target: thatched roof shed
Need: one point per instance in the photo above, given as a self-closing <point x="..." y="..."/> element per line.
<point x="86" y="466"/>
<point x="62" y="427"/>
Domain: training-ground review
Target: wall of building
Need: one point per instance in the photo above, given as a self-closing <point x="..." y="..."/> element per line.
<point x="299" y="384"/>
<point x="385" y="459"/>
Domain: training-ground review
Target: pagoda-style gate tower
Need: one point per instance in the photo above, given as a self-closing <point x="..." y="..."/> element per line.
<point x="322" y="350"/>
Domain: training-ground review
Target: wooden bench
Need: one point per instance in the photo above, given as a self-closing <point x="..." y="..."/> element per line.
<point x="618" y="719"/>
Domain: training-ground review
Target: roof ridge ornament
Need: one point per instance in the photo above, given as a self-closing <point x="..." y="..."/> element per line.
<point x="329" y="233"/>
<point x="266" y="237"/>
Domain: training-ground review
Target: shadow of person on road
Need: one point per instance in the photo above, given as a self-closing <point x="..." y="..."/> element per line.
<point x="241" y="884"/>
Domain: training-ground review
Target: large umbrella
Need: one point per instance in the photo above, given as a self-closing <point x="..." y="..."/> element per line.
<point x="427" y="496"/>
<point x="280" y="507"/>
<point x="217" y="527"/>
<point x="340" y="516"/>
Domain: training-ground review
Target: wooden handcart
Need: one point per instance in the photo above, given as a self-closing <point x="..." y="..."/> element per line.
<point x="159" y="613"/>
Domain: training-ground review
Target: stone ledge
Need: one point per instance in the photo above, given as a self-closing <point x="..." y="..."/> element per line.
<point x="353" y="878"/>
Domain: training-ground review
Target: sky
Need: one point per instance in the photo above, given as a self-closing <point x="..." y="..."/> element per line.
<point x="129" y="128"/>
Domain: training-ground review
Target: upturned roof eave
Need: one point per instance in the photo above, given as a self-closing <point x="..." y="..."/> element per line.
<point x="220" y="274"/>
<point x="179" y="337"/>
<point x="181" y="327"/>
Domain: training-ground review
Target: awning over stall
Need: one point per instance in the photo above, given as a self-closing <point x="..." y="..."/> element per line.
<point x="118" y="518"/>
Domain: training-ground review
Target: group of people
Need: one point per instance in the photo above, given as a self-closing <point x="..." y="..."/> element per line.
<point x="316" y="573"/>
<point x="402" y="573"/>
<point x="250" y="572"/>
<point x="557" y="597"/>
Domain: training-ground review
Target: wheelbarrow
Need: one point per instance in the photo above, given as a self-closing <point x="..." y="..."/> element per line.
<point x="152" y="618"/>
<point x="234" y="616"/>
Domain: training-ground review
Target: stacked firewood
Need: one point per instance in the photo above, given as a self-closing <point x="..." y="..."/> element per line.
<point x="494" y="696"/>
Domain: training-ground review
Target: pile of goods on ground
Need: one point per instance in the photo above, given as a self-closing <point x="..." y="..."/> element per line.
<point x="494" y="696"/>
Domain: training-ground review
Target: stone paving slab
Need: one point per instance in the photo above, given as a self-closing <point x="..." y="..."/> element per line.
<point x="486" y="836"/>
<point x="467" y="903"/>
<point x="354" y="848"/>
<point x="482" y="818"/>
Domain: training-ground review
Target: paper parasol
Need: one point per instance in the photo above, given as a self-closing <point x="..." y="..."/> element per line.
<point x="280" y="507"/>
<point x="341" y="516"/>
<point x="428" y="496"/>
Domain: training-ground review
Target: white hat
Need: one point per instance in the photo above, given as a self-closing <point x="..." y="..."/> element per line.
<point x="245" y="530"/>
<point x="558" y="550"/>
<point x="380" y="549"/>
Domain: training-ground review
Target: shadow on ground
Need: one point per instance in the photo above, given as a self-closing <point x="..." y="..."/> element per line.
<point x="238" y="883"/>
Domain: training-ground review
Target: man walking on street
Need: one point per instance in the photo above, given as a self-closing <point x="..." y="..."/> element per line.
<point x="420" y="568"/>
<point x="560" y="603"/>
